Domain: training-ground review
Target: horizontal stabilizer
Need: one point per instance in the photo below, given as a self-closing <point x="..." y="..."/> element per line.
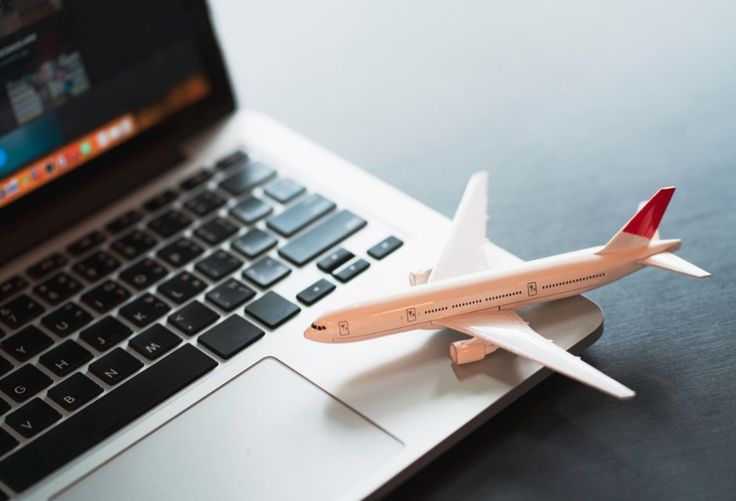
<point x="671" y="262"/>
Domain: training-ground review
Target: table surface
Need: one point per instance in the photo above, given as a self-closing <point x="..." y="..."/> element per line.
<point x="578" y="111"/>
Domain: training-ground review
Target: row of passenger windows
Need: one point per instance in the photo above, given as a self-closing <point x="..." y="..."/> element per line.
<point x="574" y="280"/>
<point x="475" y="301"/>
<point x="501" y="296"/>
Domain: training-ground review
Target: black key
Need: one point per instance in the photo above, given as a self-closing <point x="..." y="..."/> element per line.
<point x="19" y="311"/>
<point x="4" y="407"/>
<point x="204" y="202"/>
<point x="106" y="296"/>
<point x="169" y="223"/>
<point x="24" y="383"/>
<point x="124" y="221"/>
<point x="58" y="288"/>
<point x="12" y="286"/>
<point x="385" y="247"/>
<point x="103" y="417"/>
<point x="301" y="215"/>
<point x="199" y="177"/>
<point x="230" y="294"/>
<point x="143" y="274"/>
<point x="65" y="358"/>
<point x="284" y="190"/>
<point x="154" y="341"/>
<point x="238" y="157"/>
<point x="96" y="266"/>
<point x="334" y="259"/>
<point x="352" y="270"/>
<point x="161" y="200"/>
<point x="315" y="292"/>
<point x="215" y="230"/>
<point x="86" y="243"/>
<point x="230" y="336"/>
<point x="144" y="310"/>
<point x="266" y="272"/>
<point x="115" y="366"/>
<point x="180" y="252"/>
<point x="314" y="242"/>
<point x="27" y="343"/>
<point x="272" y="310"/>
<point x="250" y="176"/>
<point x="193" y="318"/>
<point x="182" y="287"/>
<point x="32" y="418"/>
<point x="254" y="242"/>
<point x="105" y="334"/>
<point x="251" y="210"/>
<point x="133" y="244"/>
<point x="5" y="366"/>
<point x="46" y="266"/>
<point x="74" y="392"/>
<point x="7" y="442"/>
<point x="66" y="319"/>
<point x="218" y="265"/>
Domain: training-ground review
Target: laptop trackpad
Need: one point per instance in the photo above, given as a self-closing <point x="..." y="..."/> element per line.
<point x="268" y="433"/>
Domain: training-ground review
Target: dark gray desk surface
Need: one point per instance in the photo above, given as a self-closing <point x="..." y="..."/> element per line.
<point x="578" y="110"/>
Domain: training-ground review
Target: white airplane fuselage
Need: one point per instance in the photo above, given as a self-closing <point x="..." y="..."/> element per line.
<point x="515" y="287"/>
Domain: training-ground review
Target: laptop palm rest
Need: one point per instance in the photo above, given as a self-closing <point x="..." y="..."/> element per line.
<point x="290" y="432"/>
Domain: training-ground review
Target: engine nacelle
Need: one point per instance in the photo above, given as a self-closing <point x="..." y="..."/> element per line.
<point x="470" y="350"/>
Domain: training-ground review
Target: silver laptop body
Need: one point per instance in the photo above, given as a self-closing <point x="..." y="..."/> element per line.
<point x="215" y="415"/>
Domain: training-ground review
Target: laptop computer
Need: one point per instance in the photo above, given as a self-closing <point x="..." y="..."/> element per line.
<point x="163" y="251"/>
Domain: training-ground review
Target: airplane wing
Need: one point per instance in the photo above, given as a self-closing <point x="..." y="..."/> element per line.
<point x="507" y="330"/>
<point x="465" y="251"/>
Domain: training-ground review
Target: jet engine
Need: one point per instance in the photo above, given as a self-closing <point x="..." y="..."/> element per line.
<point x="470" y="350"/>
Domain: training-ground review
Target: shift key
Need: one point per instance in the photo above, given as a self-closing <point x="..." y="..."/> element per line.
<point x="300" y="215"/>
<point x="314" y="242"/>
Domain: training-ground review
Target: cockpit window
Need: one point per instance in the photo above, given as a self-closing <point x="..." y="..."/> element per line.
<point x="318" y="327"/>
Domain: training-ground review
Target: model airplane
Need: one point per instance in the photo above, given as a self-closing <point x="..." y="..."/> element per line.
<point x="466" y="293"/>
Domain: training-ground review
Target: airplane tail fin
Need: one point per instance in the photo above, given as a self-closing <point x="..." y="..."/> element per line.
<point x="644" y="225"/>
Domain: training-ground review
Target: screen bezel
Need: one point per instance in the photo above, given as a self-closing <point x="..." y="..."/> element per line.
<point x="104" y="179"/>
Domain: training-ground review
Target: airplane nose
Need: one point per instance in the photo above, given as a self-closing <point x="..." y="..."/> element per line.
<point x="319" y="335"/>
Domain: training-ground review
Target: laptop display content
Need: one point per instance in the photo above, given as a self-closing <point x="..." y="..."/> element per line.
<point x="79" y="78"/>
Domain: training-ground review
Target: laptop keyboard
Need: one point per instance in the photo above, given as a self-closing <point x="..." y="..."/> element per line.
<point x="94" y="336"/>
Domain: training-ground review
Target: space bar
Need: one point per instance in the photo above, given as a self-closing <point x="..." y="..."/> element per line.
<point x="104" y="417"/>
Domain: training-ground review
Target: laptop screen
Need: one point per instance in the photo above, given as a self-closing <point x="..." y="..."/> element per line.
<point x="79" y="78"/>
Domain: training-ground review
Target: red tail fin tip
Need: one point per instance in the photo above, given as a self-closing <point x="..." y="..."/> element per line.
<point x="646" y="221"/>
